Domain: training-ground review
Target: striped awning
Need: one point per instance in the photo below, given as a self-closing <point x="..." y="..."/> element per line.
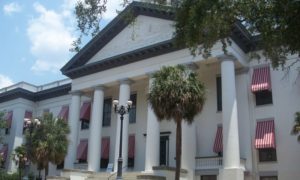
<point x="265" y="134"/>
<point x="82" y="149"/>
<point x="85" y="111"/>
<point x="4" y="151"/>
<point x="218" y="145"/>
<point x="105" y="148"/>
<point x="64" y="113"/>
<point x="28" y="115"/>
<point x="8" y="119"/>
<point x="261" y="79"/>
<point x="131" y="146"/>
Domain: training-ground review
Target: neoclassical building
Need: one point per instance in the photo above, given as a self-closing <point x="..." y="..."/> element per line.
<point x="243" y="131"/>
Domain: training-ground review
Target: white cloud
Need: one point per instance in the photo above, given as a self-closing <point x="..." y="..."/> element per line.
<point x="5" y="81"/>
<point x="111" y="9"/>
<point x="11" y="8"/>
<point x="50" y="37"/>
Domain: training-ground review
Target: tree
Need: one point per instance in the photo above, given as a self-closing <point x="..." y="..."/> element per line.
<point x="296" y="127"/>
<point x="176" y="94"/>
<point x="19" y="156"/>
<point x="48" y="142"/>
<point x="3" y="126"/>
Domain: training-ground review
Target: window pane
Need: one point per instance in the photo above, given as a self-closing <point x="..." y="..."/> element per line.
<point x="85" y="124"/>
<point x="219" y="94"/>
<point x="107" y="112"/>
<point x="132" y="113"/>
<point x="263" y="97"/>
<point x="209" y="177"/>
<point x="268" y="178"/>
<point x="266" y="155"/>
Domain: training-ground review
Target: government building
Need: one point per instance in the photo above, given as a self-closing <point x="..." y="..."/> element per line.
<point x="243" y="131"/>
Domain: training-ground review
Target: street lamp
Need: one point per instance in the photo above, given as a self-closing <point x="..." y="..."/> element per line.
<point x="122" y="110"/>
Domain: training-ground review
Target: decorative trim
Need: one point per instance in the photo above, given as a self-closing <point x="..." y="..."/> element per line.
<point x="77" y="66"/>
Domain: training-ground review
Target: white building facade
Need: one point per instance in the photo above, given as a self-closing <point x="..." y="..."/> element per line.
<point x="243" y="131"/>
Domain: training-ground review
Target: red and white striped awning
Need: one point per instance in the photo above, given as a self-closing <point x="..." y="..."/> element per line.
<point x="8" y="119"/>
<point x="261" y="79"/>
<point x="28" y="115"/>
<point x="82" y="149"/>
<point x="218" y="145"/>
<point x="85" y="111"/>
<point x="105" y="148"/>
<point x="265" y="134"/>
<point x="131" y="146"/>
<point x="64" y="113"/>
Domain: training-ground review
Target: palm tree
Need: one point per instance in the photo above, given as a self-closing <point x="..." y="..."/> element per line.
<point x="48" y="142"/>
<point x="19" y="156"/>
<point x="176" y="94"/>
<point x="296" y="127"/>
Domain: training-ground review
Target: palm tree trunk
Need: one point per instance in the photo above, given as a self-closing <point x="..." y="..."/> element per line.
<point x="178" y="149"/>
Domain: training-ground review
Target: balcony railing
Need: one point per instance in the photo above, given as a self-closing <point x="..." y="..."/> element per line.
<point x="212" y="162"/>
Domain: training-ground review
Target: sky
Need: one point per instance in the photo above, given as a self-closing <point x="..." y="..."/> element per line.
<point x="35" y="38"/>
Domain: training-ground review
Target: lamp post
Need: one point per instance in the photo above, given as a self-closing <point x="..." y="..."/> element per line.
<point x="121" y="110"/>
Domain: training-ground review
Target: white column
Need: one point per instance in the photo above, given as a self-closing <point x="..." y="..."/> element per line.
<point x="188" y="148"/>
<point x="124" y="95"/>
<point x="152" y="138"/>
<point x="94" y="150"/>
<point x="73" y="125"/>
<point x="231" y="151"/>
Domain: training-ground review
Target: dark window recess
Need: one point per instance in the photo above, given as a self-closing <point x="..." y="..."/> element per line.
<point x="130" y="162"/>
<point x="263" y="97"/>
<point x="219" y="93"/>
<point x="82" y="161"/>
<point x="209" y="177"/>
<point x="107" y="112"/>
<point x="132" y="113"/>
<point x="7" y="131"/>
<point x="104" y="163"/>
<point x="268" y="178"/>
<point x="85" y="124"/>
<point x="266" y="155"/>
<point x="61" y="165"/>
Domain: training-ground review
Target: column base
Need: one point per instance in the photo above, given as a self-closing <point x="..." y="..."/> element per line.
<point x="231" y="174"/>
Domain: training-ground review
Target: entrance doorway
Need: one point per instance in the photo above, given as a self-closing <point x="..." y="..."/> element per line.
<point x="164" y="151"/>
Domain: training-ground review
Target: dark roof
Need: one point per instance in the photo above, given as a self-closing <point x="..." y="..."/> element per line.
<point x="38" y="96"/>
<point x="77" y="66"/>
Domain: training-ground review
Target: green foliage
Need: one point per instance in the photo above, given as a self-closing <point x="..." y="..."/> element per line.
<point x="5" y="176"/>
<point x="296" y="127"/>
<point x="176" y="93"/>
<point x="20" y="156"/>
<point x="206" y="22"/>
<point x="47" y="142"/>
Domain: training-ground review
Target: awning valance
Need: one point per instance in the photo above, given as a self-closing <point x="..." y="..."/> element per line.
<point x="64" y="113"/>
<point x="85" y="111"/>
<point x="105" y="148"/>
<point x="218" y="145"/>
<point x="265" y="134"/>
<point x="28" y="115"/>
<point x="82" y="149"/>
<point x="261" y="79"/>
<point x="131" y="146"/>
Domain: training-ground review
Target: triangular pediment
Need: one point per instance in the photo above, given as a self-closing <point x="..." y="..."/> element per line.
<point x="145" y="31"/>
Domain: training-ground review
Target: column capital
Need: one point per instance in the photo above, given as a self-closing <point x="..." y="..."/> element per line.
<point x="76" y="92"/>
<point x="125" y="81"/>
<point x="226" y="57"/>
<point x="98" y="87"/>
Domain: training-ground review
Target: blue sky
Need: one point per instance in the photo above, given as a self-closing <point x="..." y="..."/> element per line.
<point x="35" y="38"/>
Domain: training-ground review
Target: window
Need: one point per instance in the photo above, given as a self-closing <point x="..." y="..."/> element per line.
<point x="85" y="124"/>
<point x="208" y="177"/>
<point x="263" y="97"/>
<point x="132" y="113"/>
<point x="267" y="155"/>
<point x="268" y="178"/>
<point x="104" y="163"/>
<point x="219" y="93"/>
<point x="7" y="131"/>
<point x="107" y="112"/>
<point x="131" y="150"/>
